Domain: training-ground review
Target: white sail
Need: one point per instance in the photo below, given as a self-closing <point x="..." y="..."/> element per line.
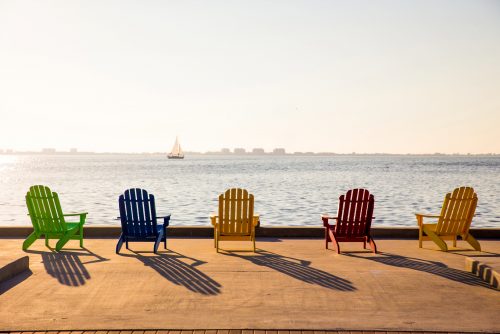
<point x="176" y="150"/>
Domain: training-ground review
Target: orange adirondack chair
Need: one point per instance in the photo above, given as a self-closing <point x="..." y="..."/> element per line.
<point x="236" y="220"/>
<point x="455" y="220"/>
<point x="353" y="220"/>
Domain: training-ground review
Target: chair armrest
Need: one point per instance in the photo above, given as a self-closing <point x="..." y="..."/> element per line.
<point x="82" y="215"/>
<point x="420" y="218"/>
<point x="426" y="215"/>
<point x="213" y="219"/>
<point x="75" y="214"/>
<point x="166" y="219"/>
<point x="325" y="219"/>
<point x="256" y="220"/>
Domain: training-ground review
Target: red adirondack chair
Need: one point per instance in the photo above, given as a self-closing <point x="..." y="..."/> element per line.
<point x="354" y="219"/>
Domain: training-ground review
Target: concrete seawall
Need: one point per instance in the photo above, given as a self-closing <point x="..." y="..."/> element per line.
<point x="275" y="232"/>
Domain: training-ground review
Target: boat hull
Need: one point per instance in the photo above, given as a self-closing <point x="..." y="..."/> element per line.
<point x="175" y="156"/>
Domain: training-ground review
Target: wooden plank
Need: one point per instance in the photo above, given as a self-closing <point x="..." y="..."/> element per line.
<point x="57" y="223"/>
<point x="239" y="218"/>
<point x="211" y="331"/>
<point x="140" y="213"/>
<point x="148" y="203"/>
<point x="226" y="227"/>
<point x="250" y="212"/>
<point x="247" y="220"/>
<point x="233" y="209"/>
<point x="44" y="211"/>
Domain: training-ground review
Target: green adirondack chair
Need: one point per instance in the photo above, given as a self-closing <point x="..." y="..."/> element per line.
<point x="48" y="219"/>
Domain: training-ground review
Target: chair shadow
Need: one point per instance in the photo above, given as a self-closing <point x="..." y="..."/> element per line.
<point x="431" y="267"/>
<point x="170" y="266"/>
<point x="67" y="266"/>
<point x="298" y="269"/>
<point x="13" y="281"/>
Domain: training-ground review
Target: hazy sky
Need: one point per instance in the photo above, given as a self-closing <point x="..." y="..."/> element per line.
<point x="341" y="76"/>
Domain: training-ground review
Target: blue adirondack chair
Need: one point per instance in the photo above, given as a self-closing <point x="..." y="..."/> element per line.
<point x="139" y="220"/>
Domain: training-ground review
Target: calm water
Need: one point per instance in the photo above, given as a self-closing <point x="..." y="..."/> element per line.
<point x="288" y="190"/>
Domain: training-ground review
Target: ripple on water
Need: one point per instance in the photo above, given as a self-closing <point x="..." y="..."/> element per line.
<point x="288" y="190"/>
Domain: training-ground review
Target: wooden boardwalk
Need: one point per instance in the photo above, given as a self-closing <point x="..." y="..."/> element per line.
<point x="289" y="286"/>
<point x="227" y="331"/>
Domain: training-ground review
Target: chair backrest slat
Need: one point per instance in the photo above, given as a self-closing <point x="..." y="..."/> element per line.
<point x="138" y="213"/>
<point x="457" y="212"/>
<point x="355" y="213"/>
<point x="45" y="210"/>
<point x="236" y="212"/>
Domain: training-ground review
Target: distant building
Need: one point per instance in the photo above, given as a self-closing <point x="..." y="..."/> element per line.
<point x="279" y="151"/>
<point x="239" y="151"/>
<point x="225" y="151"/>
<point x="73" y="150"/>
<point x="258" y="151"/>
<point x="48" y="150"/>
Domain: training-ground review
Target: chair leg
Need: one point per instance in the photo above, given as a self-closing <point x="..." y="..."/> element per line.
<point x="420" y="237"/>
<point x="334" y="241"/>
<point x="440" y="242"/>
<point x="30" y="240"/>
<point x="126" y="243"/>
<point x="473" y="242"/>
<point x="47" y="241"/>
<point x="364" y="244"/>
<point x="120" y="243"/>
<point x="217" y="244"/>
<point x="165" y="237"/>
<point x="81" y="236"/>
<point x="254" y="244"/>
<point x="157" y="243"/>
<point x="60" y="244"/>
<point x="373" y="246"/>
<point x="455" y="241"/>
<point x="326" y="238"/>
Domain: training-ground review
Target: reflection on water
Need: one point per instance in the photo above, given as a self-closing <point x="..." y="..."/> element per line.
<point x="288" y="190"/>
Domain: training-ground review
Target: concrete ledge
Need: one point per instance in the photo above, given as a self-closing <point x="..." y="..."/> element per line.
<point x="14" y="268"/>
<point x="483" y="271"/>
<point x="275" y="232"/>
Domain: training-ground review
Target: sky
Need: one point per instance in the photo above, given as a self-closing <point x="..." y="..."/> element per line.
<point x="322" y="76"/>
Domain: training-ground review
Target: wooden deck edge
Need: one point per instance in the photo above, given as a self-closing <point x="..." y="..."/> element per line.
<point x="236" y="331"/>
<point x="272" y="232"/>
<point x="483" y="271"/>
<point x="14" y="268"/>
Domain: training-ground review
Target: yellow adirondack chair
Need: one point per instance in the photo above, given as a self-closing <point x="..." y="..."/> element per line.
<point x="455" y="220"/>
<point x="236" y="220"/>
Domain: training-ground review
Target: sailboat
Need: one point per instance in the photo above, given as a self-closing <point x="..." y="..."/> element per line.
<point x="176" y="151"/>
